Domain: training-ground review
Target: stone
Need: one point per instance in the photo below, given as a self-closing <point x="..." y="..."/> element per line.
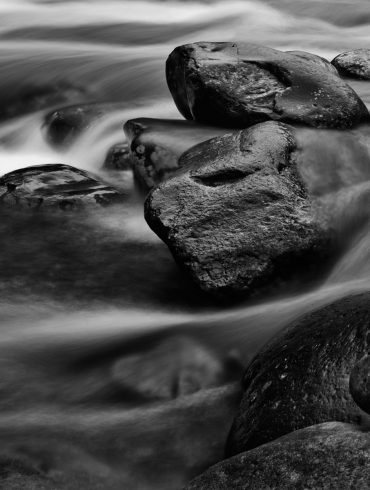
<point x="301" y="377"/>
<point x="354" y="64"/>
<point x="237" y="216"/>
<point x="332" y="455"/>
<point x="118" y="158"/>
<point x="359" y="383"/>
<point x="54" y="186"/>
<point x="157" y="144"/>
<point x="240" y="84"/>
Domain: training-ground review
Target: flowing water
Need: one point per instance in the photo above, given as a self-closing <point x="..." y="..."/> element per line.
<point x="78" y="293"/>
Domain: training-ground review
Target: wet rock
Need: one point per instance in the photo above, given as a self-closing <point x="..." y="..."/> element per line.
<point x="63" y="126"/>
<point x="239" y="84"/>
<point x="301" y="377"/>
<point x="331" y="455"/>
<point x="359" y="383"/>
<point x="119" y="158"/>
<point x="175" y="367"/>
<point x="354" y="64"/>
<point x="237" y="216"/>
<point x="54" y="185"/>
<point x="157" y="144"/>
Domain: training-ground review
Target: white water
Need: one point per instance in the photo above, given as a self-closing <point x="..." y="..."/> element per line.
<point x="56" y="313"/>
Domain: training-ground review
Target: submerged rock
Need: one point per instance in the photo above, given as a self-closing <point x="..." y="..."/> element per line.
<point x="157" y="144"/>
<point x="240" y="84"/>
<point x="354" y="64"/>
<point x="54" y="185"/>
<point x="331" y="455"/>
<point x="118" y="158"/>
<point x="237" y="216"/>
<point x="301" y="377"/>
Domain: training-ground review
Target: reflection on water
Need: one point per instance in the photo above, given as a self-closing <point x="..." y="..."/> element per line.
<point x="79" y="292"/>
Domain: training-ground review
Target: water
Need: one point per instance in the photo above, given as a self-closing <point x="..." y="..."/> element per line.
<point x="79" y="293"/>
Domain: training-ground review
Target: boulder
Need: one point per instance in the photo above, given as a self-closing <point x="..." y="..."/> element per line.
<point x="354" y="64"/>
<point x="175" y="367"/>
<point x="240" y="84"/>
<point x="157" y="144"/>
<point x="359" y="383"/>
<point x="54" y="186"/>
<point x="237" y="216"/>
<point x="331" y="455"/>
<point x="118" y="158"/>
<point x="301" y="377"/>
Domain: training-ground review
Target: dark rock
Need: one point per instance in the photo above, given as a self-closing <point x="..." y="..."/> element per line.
<point x="301" y="377"/>
<point x="331" y="456"/>
<point x="237" y="216"/>
<point x="239" y="84"/>
<point x="354" y="64"/>
<point x="359" y="383"/>
<point x="156" y="145"/>
<point x="55" y="185"/>
<point x="175" y="367"/>
<point x="119" y="158"/>
<point x="63" y="126"/>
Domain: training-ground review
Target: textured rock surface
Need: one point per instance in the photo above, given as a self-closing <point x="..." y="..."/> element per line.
<point x="302" y="377"/>
<point x="359" y="383"/>
<point x="237" y="216"/>
<point x="330" y="456"/>
<point x="175" y="367"/>
<point x="55" y="185"/>
<point x="242" y="84"/>
<point x="118" y="158"/>
<point x="157" y="144"/>
<point x="354" y="64"/>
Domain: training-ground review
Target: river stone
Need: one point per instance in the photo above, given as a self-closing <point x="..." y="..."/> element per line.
<point x="359" y="383"/>
<point x="301" y="377"/>
<point x="157" y="144"/>
<point x="236" y="216"/>
<point x="332" y="455"/>
<point x="118" y="157"/>
<point x="240" y="84"/>
<point x="54" y="185"/>
<point x="354" y="64"/>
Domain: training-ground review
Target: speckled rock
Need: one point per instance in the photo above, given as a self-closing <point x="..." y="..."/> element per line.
<point x="359" y="383"/>
<point x="237" y="216"/>
<point x="331" y="456"/>
<point x="56" y="186"/>
<point x="301" y="377"/>
<point x="157" y="144"/>
<point x="354" y="64"/>
<point x="118" y="157"/>
<point x="240" y="84"/>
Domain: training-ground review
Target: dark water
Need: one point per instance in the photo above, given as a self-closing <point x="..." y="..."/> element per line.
<point x="79" y="293"/>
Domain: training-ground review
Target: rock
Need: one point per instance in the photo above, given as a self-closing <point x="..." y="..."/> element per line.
<point x="156" y="145"/>
<point x="331" y="455"/>
<point x="54" y="185"/>
<point x="354" y="64"/>
<point x="359" y="383"/>
<point x="175" y="367"/>
<point x="237" y="216"/>
<point x="301" y="377"/>
<point x="239" y="84"/>
<point x="63" y="126"/>
<point x="119" y="158"/>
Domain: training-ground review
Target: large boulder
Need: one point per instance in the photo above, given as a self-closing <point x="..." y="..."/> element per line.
<point x="157" y="144"/>
<point x="301" y="377"/>
<point x="239" y="84"/>
<point x="55" y="185"/>
<point x="237" y="216"/>
<point x="331" y="456"/>
<point x="354" y="64"/>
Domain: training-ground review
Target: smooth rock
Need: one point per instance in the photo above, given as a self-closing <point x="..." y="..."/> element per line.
<point x="237" y="216"/>
<point x="240" y="84"/>
<point x="301" y="377"/>
<point x="359" y="383"/>
<point x="54" y="185"/>
<point x="331" y="456"/>
<point x="354" y="64"/>
<point x="157" y="144"/>
<point x="175" y="367"/>
<point x="118" y="157"/>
